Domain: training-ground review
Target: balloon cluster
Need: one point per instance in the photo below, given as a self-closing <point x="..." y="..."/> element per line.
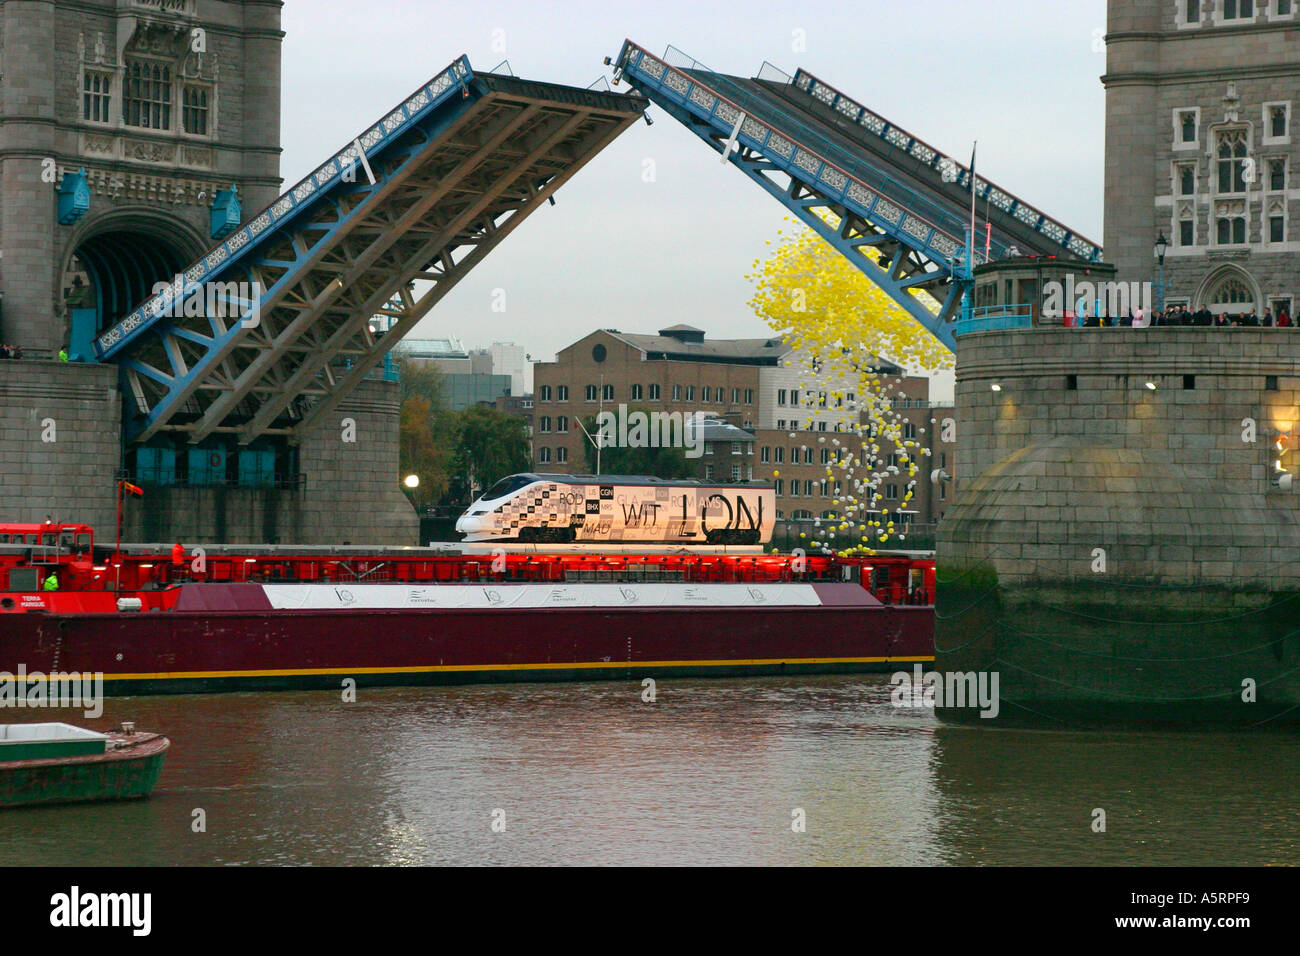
<point x="840" y="325"/>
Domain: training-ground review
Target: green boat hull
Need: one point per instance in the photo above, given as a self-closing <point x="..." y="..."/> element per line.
<point x="77" y="780"/>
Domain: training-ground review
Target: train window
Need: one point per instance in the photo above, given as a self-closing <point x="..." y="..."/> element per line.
<point x="507" y="486"/>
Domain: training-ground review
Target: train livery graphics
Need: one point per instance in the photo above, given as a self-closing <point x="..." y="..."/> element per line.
<point x="620" y="508"/>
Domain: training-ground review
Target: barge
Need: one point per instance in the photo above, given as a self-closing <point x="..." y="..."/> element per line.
<point x="276" y="618"/>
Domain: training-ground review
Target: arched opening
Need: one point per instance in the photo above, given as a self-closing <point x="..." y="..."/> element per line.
<point x="1229" y="290"/>
<point x="108" y="274"/>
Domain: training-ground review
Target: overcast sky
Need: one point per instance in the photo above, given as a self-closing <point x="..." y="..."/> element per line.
<point x="1021" y="76"/>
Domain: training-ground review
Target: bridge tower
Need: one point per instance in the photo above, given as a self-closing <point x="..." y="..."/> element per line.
<point x="132" y="128"/>
<point x="1125" y="539"/>
<point x="1202" y="145"/>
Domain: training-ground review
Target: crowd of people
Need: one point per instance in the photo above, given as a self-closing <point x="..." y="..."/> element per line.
<point x="1181" y="315"/>
<point x="11" y="351"/>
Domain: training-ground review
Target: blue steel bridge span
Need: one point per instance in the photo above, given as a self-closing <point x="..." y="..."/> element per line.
<point x="896" y="207"/>
<point x="270" y="329"/>
<point x="392" y="221"/>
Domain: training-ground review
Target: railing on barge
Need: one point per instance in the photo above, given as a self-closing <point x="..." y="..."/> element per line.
<point x="894" y="579"/>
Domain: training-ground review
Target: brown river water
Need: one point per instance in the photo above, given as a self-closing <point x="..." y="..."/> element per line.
<point x="711" y="772"/>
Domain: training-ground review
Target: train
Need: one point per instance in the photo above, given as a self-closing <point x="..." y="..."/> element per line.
<point x="620" y="509"/>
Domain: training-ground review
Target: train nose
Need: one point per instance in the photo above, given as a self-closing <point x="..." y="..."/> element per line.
<point x="466" y="524"/>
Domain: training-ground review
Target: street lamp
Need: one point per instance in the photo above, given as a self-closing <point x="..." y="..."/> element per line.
<point x="1162" y="246"/>
<point x="411" y="481"/>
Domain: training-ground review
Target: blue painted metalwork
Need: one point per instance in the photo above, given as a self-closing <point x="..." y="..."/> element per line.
<point x="901" y="229"/>
<point x="997" y="318"/>
<point x="288" y="206"/>
<point x="227" y="212"/>
<point x="947" y="169"/>
<point x="270" y="329"/>
<point x="871" y="209"/>
<point x="74" y="197"/>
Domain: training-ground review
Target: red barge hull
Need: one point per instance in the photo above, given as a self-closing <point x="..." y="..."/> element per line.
<point x="234" y="637"/>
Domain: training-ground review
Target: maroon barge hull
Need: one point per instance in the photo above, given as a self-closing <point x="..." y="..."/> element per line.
<point x="254" y="637"/>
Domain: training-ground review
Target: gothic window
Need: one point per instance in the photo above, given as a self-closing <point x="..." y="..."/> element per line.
<point x="1187" y="179"/>
<point x="1277" y="174"/>
<point x="1277" y="220"/>
<point x="147" y="96"/>
<point x="1231" y="230"/>
<point x="1277" y="120"/>
<point x="96" y="94"/>
<point x="1231" y="151"/>
<point x="1238" y="9"/>
<point x="194" y="101"/>
<point x="1187" y="126"/>
<point x="1231" y="290"/>
<point x="1186" y="224"/>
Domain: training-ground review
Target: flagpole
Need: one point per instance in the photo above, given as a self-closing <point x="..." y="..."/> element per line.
<point x="973" y="148"/>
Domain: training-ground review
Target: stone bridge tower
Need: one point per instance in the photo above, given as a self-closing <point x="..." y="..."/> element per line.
<point x="1125" y="539"/>
<point x="134" y="134"/>
<point x="1202" y="107"/>
<point x="172" y="110"/>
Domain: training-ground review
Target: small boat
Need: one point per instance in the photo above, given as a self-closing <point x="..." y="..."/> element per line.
<point x="60" y="763"/>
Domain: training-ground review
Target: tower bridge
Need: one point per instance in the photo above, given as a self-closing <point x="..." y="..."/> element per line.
<point x="423" y="194"/>
<point x="899" y="208"/>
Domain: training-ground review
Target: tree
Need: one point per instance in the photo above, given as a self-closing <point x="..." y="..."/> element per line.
<point x="490" y="446"/>
<point x="424" y="380"/>
<point x="425" y="449"/>
<point x="669" y="462"/>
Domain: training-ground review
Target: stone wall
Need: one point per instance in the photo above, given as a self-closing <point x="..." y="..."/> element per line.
<point x="60" y="448"/>
<point x="1162" y="479"/>
<point x="60" y="442"/>
<point x="1117" y="550"/>
<point x="1158" y="66"/>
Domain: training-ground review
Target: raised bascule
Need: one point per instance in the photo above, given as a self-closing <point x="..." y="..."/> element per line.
<point x="901" y="207"/>
<point x="424" y="195"/>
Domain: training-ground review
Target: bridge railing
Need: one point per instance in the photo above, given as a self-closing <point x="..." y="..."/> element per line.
<point x="278" y="213"/>
<point x="996" y="318"/>
<point x="868" y="191"/>
<point x="898" y="138"/>
<point x="767" y="110"/>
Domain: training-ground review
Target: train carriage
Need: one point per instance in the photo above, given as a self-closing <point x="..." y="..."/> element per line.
<point x="627" y="509"/>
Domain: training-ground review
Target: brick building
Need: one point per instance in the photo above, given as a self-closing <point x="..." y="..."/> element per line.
<point x="750" y="384"/>
<point x="1201" y="144"/>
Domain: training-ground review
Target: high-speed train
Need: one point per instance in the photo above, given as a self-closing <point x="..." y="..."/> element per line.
<point x="625" y="509"/>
